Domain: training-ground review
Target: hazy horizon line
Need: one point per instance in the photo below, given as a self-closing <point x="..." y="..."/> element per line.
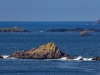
<point x="45" y="21"/>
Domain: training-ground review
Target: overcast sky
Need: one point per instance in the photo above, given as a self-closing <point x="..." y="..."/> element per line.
<point x="49" y="10"/>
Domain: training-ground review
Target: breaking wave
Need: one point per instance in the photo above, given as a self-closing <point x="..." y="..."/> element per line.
<point x="7" y="57"/>
<point x="62" y="59"/>
<point x="78" y="58"/>
<point x="41" y="31"/>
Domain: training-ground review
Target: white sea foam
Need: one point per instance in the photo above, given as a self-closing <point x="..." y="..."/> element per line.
<point x="77" y="58"/>
<point x="64" y="58"/>
<point x="87" y="59"/>
<point x="5" y="56"/>
<point x="13" y="58"/>
<point x="41" y="31"/>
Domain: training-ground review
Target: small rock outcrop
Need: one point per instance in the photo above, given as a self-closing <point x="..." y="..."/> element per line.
<point x="85" y="33"/>
<point x="1" y="56"/>
<point x="47" y="51"/>
<point x="13" y="29"/>
<point x="96" y="58"/>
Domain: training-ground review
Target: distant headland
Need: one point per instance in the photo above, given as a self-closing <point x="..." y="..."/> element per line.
<point x="13" y="29"/>
<point x="74" y="30"/>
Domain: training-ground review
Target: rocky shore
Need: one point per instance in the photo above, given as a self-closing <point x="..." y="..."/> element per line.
<point x="13" y="29"/>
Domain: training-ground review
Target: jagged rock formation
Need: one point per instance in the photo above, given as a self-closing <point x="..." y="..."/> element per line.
<point x="85" y="33"/>
<point x="47" y="51"/>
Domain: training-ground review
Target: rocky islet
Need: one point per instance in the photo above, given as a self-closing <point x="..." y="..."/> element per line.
<point x="73" y="30"/>
<point x="13" y="29"/>
<point x="46" y="51"/>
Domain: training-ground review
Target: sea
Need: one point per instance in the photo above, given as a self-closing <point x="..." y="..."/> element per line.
<point x="68" y="42"/>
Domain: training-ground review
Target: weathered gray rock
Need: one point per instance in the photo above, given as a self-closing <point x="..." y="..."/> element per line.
<point x="47" y="51"/>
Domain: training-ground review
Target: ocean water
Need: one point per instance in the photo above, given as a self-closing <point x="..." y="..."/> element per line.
<point x="69" y="42"/>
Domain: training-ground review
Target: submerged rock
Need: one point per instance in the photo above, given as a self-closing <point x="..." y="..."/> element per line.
<point x="85" y="33"/>
<point x="96" y="58"/>
<point x="47" y="51"/>
<point x="1" y="56"/>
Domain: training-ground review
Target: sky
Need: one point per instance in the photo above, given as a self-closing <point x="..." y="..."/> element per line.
<point x="49" y="10"/>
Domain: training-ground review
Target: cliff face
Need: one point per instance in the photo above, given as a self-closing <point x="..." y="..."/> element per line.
<point x="47" y="51"/>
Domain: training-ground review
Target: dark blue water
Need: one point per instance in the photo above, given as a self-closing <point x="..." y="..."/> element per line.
<point x="43" y="26"/>
<point x="70" y="43"/>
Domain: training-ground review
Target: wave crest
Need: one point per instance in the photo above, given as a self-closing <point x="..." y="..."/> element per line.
<point x="78" y="58"/>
